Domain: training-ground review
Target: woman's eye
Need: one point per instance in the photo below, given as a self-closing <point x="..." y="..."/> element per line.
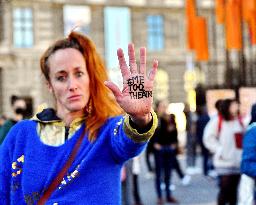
<point x="79" y="74"/>
<point x="61" y="78"/>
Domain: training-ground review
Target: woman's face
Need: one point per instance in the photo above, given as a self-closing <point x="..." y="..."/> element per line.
<point x="69" y="80"/>
<point x="233" y="109"/>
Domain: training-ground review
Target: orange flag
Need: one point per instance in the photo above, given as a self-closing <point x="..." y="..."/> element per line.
<point x="248" y="6"/>
<point x="201" y="39"/>
<point x="233" y="24"/>
<point x="220" y="11"/>
<point x="190" y="15"/>
<point x="252" y="26"/>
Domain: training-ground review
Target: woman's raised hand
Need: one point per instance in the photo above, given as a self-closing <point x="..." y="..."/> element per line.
<point x="136" y="98"/>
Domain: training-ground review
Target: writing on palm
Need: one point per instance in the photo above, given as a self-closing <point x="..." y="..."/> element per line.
<point x="136" y="96"/>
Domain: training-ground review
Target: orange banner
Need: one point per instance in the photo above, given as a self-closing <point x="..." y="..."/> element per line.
<point x="252" y="26"/>
<point x="190" y="15"/>
<point x="248" y="6"/>
<point x="201" y="39"/>
<point x="233" y="25"/>
<point x="220" y="11"/>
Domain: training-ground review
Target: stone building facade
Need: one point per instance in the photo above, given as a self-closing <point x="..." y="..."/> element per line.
<point x="19" y="64"/>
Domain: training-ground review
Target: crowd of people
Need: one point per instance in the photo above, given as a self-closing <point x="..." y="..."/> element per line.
<point x="225" y="141"/>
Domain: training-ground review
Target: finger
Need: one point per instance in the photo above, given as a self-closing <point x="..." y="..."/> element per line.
<point x="153" y="71"/>
<point x="142" y="60"/>
<point x="122" y="63"/>
<point x="113" y="87"/>
<point x="132" y="60"/>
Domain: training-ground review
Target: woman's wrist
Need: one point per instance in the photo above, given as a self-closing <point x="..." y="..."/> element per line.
<point x="141" y="121"/>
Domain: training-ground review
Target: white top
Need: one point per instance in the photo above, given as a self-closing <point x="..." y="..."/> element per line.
<point x="226" y="154"/>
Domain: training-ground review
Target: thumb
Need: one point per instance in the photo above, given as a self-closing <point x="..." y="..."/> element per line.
<point x="113" y="87"/>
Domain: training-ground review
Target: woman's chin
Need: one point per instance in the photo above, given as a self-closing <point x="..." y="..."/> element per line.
<point x="76" y="108"/>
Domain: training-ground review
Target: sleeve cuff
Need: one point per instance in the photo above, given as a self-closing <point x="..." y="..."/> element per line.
<point x="134" y="134"/>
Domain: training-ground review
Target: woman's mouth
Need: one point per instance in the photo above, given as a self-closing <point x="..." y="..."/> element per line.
<point x="74" y="97"/>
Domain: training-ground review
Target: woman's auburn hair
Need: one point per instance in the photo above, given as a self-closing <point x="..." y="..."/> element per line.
<point x="102" y="102"/>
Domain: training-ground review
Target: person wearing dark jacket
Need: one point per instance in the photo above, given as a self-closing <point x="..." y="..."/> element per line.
<point x="202" y="120"/>
<point x="165" y="144"/>
<point x="19" y="108"/>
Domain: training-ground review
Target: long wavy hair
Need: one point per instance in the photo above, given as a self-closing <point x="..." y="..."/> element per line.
<point x="102" y="102"/>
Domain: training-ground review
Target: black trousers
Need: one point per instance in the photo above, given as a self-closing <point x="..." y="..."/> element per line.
<point x="163" y="168"/>
<point x="176" y="167"/>
<point x="228" y="189"/>
<point x="149" y="152"/>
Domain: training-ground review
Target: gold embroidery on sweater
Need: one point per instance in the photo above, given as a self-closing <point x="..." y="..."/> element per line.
<point x="17" y="166"/>
<point x="69" y="178"/>
<point x="133" y="133"/>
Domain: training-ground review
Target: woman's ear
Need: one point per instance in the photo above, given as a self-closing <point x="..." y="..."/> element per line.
<point x="49" y="86"/>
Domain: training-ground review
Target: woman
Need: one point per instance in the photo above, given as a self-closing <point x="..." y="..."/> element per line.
<point x="73" y="154"/>
<point x="165" y="144"/>
<point x="222" y="136"/>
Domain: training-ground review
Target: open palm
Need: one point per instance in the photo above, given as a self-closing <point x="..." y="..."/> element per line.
<point x="136" y="98"/>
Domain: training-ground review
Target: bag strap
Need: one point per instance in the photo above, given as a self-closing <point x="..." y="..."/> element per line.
<point x="57" y="180"/>
<point x="220" y="119"/>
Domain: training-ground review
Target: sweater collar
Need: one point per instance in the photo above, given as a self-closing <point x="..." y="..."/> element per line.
<point x="48" y="115"/>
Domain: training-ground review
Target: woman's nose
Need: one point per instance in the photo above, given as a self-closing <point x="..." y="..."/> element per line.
<point x="72" y="84"/>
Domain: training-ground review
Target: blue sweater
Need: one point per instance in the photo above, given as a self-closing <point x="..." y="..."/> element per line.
<point x="248" y="165"/>
<point x="27" y="166"/>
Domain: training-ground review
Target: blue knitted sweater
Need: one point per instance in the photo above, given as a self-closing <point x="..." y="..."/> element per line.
<point x="27" y="166"/>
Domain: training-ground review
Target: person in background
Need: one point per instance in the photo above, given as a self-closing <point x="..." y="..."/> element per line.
<point x="185" y="179"/>
<point x="222" y="136"/>
<point x="165" y="142"/>
<point x="218" y="105"/>
<point x="191" y="140"/>
<point x="19" y="108"/>
<point x="130" y="182"/>
<point x="202" y="120"/>
<point x="136" y="170"/>
<point x="149" y="152"/>
<point x="211" y="171"/>
<point x="73" y="153"/>
<point x="253" y="114"/>
<point x="2" y="120"/>
<point x="127" y="182"/>
<point x="248" y="164"/>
